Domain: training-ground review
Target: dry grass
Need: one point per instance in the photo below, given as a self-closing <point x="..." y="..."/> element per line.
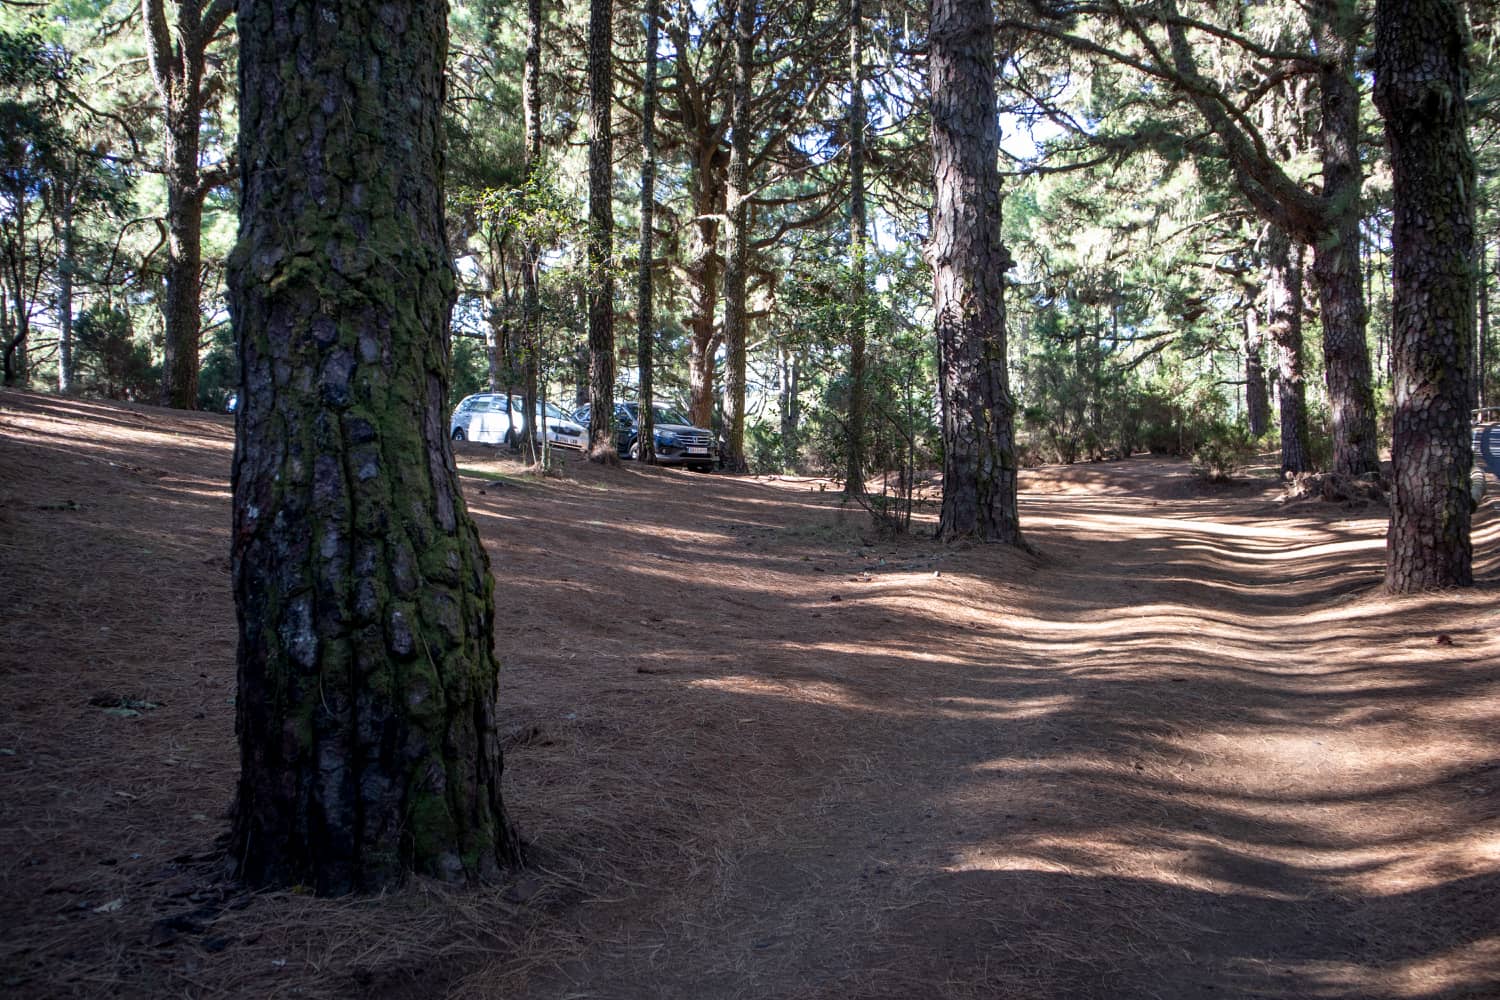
<point x="1184" y="751"/>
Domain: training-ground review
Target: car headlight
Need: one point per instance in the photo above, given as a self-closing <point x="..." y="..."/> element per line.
<point x="666" y="437"/>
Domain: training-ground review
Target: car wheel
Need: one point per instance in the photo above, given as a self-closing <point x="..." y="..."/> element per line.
<point x="458" y="434"/>
<point x="510" y="439"/>
<point x="635" y="451"/>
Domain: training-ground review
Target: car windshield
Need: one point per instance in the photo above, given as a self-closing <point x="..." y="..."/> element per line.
<point x="553" y="413"/>
<point x="667" y="415"/>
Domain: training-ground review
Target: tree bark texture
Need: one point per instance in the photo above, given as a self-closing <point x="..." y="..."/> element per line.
<point x="1284" y="316"/>
<point x="177" y="55"/>
<point x="737" y="240"/>
<point x="645" y="331"/>
<point x="367" y="676"/>
<point x="1421" y="86"/>
<point x="1336" y="265"/>
<point x="702" y="272"/>
<point x="601" y="297"/>
<point x="968" y="264"/>
<point x="854" y="466"/>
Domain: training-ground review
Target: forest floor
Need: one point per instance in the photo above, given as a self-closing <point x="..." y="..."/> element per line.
<point x="1185" y="750"/>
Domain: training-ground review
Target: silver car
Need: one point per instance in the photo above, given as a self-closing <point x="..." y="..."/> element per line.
<point x="493" y="418"/>
<point x="486" y="418"/>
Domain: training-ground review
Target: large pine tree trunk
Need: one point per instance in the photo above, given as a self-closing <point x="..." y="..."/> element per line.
<point x="645" y="331"/>
<point x="969" y="264"/>
<point x="1284" y="315"/>
<point x="854" y="466"/>
<point x="737" y="240"/>
<point x="1421" y="84"/>
<point x="1336" y="264"/>
<point x="367" y="676"/>
<point x="601" y="297"/>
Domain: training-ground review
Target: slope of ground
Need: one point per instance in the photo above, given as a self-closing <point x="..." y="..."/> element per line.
<point x="1185" y="750"/>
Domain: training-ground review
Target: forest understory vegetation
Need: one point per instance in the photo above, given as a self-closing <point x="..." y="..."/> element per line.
<point x="1187" y="744"/>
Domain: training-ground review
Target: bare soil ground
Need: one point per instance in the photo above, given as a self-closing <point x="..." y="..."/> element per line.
<point x="1186" y="750"/>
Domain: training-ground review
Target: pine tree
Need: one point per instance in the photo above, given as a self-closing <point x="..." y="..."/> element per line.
<point x="367" y="676"/>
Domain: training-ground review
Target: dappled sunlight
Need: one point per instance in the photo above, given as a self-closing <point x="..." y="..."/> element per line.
<point x="733" y="711"/>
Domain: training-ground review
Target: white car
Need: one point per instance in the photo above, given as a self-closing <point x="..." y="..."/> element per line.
<point x="486" y="418"/>
<point x="493" y="418"/>
<point x="562" y="430"/>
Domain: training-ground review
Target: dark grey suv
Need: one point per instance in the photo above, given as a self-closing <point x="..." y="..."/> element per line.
<point x="678" y="442"/>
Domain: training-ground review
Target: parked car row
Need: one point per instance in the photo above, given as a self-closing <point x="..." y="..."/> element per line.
<point x="494" y="418"/>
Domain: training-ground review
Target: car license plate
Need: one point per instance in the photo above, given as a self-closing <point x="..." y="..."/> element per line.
<point x="697" y="451"/>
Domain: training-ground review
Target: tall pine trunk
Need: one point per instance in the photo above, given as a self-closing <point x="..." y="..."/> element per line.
<point x="854" y="466"/>
<point x="737" y="240"/>
<point x="531" y="251"/>
<point x="645" y="331"/>
<point x="969" y="264"/>
<point x="601" y="285"/>
<point x="65" y="265"/>
<point x="177" y="54"/>
<point x="1336" y="265"/>
<point x="1421" y="85"/>
<point x="179" y="368"/>
<point x="367" y="676"/>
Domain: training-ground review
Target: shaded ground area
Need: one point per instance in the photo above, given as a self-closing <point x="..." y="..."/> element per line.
<point x="1185" y="751"/>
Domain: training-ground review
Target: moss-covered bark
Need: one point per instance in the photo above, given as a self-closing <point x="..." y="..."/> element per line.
<point x="1421" y="86"/>
<point x="367" y="677"/>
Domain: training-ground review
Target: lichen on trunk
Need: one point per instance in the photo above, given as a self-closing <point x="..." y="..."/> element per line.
<point x="367" y="678"/>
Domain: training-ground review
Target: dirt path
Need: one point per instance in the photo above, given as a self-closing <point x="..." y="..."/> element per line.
<point x="1185" y="751"/>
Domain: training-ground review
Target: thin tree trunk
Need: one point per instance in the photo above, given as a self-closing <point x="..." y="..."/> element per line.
<point x="1257" y="404"/>
<point x="1284" y="316"/>
<point x="645" y="318"/>
<point x="790" y="407"/>
<point x="18" y="331"/>
<point x="531" y="251"/>
<point x="854" y="467"/>
<point x="367" y="678"/>
<point x="65" y="265"/>
<point x="969" y="264"/>
<point x="737" y="240"/>
<point x="601" y="304"/>
<point x="1421" y="82"/>
<point x="1484" y="322"/>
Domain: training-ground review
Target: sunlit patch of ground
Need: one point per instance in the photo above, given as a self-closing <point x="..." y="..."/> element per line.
<point x="760" y="750"/>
